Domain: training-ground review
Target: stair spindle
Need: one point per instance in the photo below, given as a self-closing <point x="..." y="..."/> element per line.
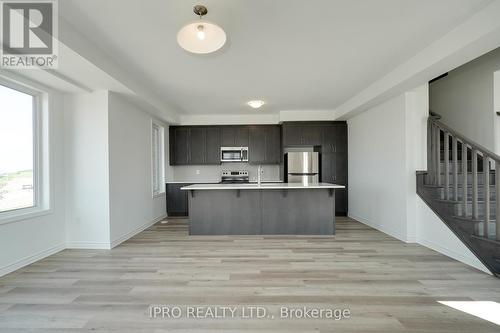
<point x="430" y="154"/>
<point x="464" y="179"/>
<point x="454" y="152"/>
<point x="446" y="166"/>
<point x="497" y="197"/>
<point x="486" y="170"/>
<point x="438" y="155"/>
<point x="475" y="212"/>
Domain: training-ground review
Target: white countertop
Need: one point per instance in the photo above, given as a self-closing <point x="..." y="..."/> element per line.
<point x="263" y="186"/>
<point x="195" y="182"/>
<point x="216" y="182"/>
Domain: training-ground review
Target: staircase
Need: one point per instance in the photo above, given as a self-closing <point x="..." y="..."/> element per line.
<point x="461" y="187"/>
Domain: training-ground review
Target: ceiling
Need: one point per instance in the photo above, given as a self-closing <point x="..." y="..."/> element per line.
<point x="296" y="55"/>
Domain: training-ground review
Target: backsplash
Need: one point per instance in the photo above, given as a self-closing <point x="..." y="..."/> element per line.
<point x="212" y="173"/>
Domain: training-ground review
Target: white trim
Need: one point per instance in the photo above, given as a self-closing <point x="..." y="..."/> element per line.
<point x="30" y="259"/>
<point x="454" y="255"/>
<point x="88" y="245"/>
<point x="137" y="230"/>
<point x="161" y="159"/>
<point x="42" y="187"/>
<point x="23" y="214"/>
<point x="378" y="227"/>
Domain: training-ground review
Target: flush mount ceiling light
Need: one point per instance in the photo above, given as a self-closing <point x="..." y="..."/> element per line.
<point x="256" y="103"/>
<point x="201" y="36"/>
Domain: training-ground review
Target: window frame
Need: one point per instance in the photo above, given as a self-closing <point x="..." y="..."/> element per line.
<point x="41" y="184"/>
<point x="161" y="159"/>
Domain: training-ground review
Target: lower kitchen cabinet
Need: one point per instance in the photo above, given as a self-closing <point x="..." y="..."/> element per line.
<point x="177" y="199"/>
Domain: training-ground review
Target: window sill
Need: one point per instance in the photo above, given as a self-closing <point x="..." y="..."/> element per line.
<point x="23" y="214"/>
<point x="157" y="195"/>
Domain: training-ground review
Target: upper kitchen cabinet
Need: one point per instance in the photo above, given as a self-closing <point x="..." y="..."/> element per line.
<point x="234" y="136"/>
<point x="197" y="145"/>
<point x="264" y="144"/>
<point x="328" y="139"/>
<point x="302" y="134"/>
<point x="212" y="145"/>
<point x="292" y="134"/>
<point x="179" y="145"/>
<point x="341" y="137"/>
<point x="311" y="135"/>
<point x="194" y="145"/>
<point x="334" y="138"/>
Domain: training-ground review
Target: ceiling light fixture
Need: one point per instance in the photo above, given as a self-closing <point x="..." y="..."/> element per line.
<point x="201" y="36"/>
<point x="256" y="103"/>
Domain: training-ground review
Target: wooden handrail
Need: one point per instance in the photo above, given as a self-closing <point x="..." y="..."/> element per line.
<point x="482" y="150"/>
<point x="436" y="148"/>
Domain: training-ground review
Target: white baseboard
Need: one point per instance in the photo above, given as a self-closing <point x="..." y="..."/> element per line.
<point x="30" y="259"/>
<point x="75" y="245"/>
<point x="471" y="261"/>
<point x="137" y="230"/>
<point x="386" y="231"/>
<point x="88" y="245"/>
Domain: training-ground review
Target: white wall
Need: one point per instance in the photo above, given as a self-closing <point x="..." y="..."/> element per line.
<point x="465" y="99"/>
<point x="434" y="234"/>
<point x="25" y="241"/>
<point x="87" y="170"/>
<point x="387" y="145"/>
<point x="132" y="206"/>
<point x="377" y="171"/>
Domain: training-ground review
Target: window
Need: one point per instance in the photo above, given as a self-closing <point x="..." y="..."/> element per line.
<point x="158" y="159"/>
<point x="17" y="150"/>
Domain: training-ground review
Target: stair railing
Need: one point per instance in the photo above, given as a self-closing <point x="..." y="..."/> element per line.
<point x="439" y="177"/>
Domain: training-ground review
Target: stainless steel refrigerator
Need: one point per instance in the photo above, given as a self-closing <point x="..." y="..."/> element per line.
<point x="302" y="167"/>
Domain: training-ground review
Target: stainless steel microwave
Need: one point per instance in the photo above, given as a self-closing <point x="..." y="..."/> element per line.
<point x="234" y="154"/>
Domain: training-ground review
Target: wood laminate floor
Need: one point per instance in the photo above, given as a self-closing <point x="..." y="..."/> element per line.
<point x="387" y="285"/>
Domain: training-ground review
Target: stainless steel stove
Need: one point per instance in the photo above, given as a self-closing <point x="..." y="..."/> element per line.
<point x="234" y="177"/>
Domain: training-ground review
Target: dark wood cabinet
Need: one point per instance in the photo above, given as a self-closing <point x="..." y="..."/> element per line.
<point x="340" y="130"/>
<point x="311" y="135"/>
<point x="334" y="170"/>
<point x="197" y="145"/>
<point x="212" y="145"/>
<point x="179" y="145"/>
<point x="264" y="144"/>
<point x="177" y="200"/>
<point x="292" y="134"/>
<point x="194" y="145"/>
<point x="228" y="136"/>
<point x="200" y="145"/>
<point x="235" y="136"/>
<point x="302" y="134"/>
<point x="273" y="145"/>
<point x="329" y="138"/>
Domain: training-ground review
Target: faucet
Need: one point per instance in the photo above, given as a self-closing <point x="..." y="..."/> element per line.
<point x="260" y="171"/>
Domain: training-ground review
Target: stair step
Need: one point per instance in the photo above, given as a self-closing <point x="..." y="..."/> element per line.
<point x="490" y="240"/>
<point x="480" y="218"/>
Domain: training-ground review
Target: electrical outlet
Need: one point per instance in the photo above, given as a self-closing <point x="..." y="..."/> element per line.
<point x="197" y="172"/>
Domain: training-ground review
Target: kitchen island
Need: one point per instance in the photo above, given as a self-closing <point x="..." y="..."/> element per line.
<point x="265" y="209"/>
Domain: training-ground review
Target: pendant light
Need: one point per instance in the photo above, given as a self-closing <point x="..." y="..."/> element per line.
<point x="201" y="36"/>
